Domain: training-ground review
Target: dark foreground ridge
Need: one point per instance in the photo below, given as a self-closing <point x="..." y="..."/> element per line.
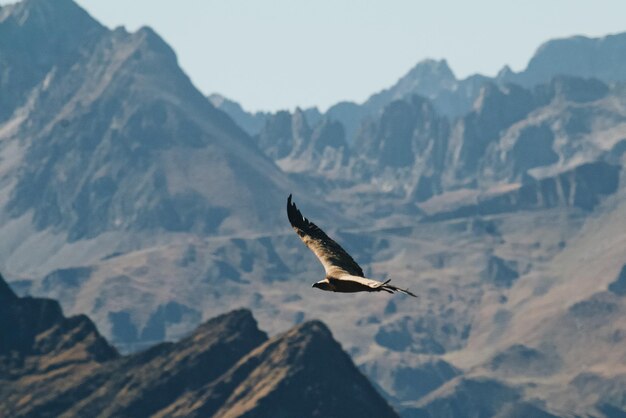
<point x="56" y="366"/>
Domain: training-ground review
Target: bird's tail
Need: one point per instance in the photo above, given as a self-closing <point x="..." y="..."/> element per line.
<point x="391" y="288"/>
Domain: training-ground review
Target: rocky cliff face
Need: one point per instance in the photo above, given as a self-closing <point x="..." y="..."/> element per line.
<point x="297" y="146"/>
<point x="103" y="134"/>
<point x="583" y="187"/>
<point x="283" y="134"/>
<point x="405" y="130"/>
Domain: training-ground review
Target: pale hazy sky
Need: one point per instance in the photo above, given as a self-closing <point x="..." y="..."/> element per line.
<point x="273" y="54"/>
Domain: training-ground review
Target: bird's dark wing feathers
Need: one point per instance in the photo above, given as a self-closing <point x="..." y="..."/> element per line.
<point x="335" y="259"/>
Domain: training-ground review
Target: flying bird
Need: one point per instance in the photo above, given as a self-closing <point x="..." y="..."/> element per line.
<point x="343" y="274"/>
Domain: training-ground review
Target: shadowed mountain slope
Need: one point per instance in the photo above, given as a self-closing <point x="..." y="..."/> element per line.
<point x="56" y="366"/>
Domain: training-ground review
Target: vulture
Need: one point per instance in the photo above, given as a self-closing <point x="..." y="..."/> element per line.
<point x="343" y="274"/>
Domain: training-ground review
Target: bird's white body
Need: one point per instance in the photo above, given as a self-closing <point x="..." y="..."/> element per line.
<point x="343" y="274"/>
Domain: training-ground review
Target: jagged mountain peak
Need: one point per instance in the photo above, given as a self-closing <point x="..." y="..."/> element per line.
<point x="428" y="78"/>
<point x="300" y="120"/>
<point x="38" y="36"/>
<point x="303" y="363"/>
<point x="430" y="70"/>
<point x="154" y="42"/>
<point x="504" y="72"/>
<point x="53" y="15"/>
<point x="306" y="342"/>
<point x="580" y="56"/>
<point x="238" y="322"/>
<point x="310" y="332"/>
<point x="6" y="294"/>
<point x="37" y="327"/>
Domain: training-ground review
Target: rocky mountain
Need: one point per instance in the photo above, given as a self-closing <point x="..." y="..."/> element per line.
<point x="511" y="135"/>
<point x="127" y="195"/>
<point x="34" y="41"/>
<point x="107" y="136"/>
<point x="298" y="147"/>
<point x="37" y="337"/>
<point x="579" y="56"/>
<point x="124" y="126"/>
<point x="57" y="366"/>
<point x="433" y="80"/>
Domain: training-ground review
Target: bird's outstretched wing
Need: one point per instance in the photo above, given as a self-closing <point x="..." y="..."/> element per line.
<point x="336" y="261"/>
<point x="373" y="284"/>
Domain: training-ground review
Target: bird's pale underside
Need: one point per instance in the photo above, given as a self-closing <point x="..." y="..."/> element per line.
<point x="343" y="274"/>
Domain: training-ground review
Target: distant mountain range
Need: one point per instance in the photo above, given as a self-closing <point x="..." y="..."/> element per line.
<point x="511" y="135"/>
<point x="577" y="56"/>
<point x="432" y="133"/>
<point x="129" y="196"/>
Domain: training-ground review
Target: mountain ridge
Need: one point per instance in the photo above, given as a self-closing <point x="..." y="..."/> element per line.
<point x="578" y="56"/>
<point x="192" y="377"/>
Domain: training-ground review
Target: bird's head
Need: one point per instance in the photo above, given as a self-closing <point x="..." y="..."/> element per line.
<point x="323" y="285"/>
